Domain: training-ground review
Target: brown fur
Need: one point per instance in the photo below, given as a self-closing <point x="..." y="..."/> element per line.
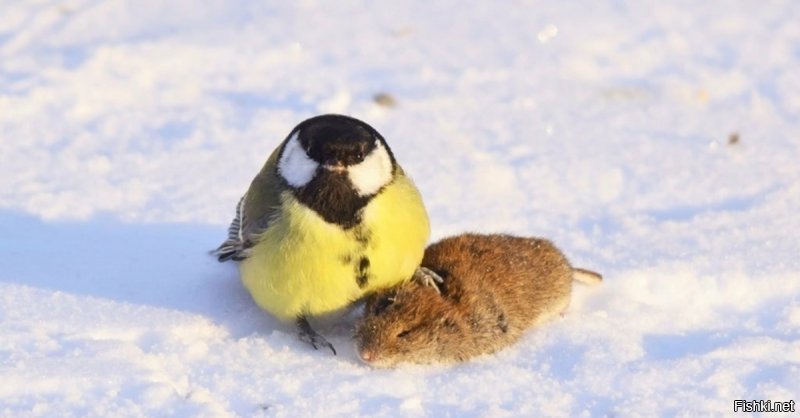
<point x="495" y="287"/>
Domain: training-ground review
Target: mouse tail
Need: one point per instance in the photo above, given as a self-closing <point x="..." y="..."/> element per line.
<point x="586" y="276"/>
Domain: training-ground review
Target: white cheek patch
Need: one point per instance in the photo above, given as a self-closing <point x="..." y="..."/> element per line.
<point x="295" y="166"/>
<point x="373" y="173"/>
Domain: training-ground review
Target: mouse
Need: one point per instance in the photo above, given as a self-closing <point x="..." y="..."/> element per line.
<point x="492" y="288"/>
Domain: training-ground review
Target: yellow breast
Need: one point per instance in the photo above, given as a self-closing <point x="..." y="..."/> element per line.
<point x="303" y="265"/>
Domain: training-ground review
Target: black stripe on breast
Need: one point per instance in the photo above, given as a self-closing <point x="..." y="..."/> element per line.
<point x="362" y="272"/>
<point x="332" y="197"/>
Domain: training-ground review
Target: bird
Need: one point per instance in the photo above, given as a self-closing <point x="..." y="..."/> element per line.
<point x="330" y="218"/>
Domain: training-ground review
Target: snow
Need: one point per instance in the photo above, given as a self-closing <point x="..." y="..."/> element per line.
<point x="129" y="129"/>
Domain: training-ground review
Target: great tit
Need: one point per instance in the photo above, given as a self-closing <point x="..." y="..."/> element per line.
<point x="330" y="218"/>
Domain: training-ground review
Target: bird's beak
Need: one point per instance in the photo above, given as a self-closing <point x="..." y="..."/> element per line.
<point x="336" y="167"/>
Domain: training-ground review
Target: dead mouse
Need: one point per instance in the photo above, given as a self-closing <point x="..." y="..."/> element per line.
<point x="494" y="288"/>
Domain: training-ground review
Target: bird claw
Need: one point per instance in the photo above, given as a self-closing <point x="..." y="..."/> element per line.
<point x="317" y="341"/>
<point x="427" y="277"/>
<point x="308" y="335"/>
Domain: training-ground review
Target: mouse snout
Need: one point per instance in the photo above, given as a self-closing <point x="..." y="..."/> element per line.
<point x="366" y="355"/>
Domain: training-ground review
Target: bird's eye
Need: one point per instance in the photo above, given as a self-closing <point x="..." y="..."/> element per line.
<point x="404" y="334"/>
<point x="362" y="151"/>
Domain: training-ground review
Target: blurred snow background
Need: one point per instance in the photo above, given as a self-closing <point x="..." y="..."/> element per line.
<point x="655" y="142"/>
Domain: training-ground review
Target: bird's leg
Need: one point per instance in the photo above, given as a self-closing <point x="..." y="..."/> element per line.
<point x="428" y="277"/>
<point x="310" y="336"/>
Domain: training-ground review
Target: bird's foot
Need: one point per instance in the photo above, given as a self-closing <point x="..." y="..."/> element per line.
<point x="428" y="277"/>
<point x="307" y="334"/>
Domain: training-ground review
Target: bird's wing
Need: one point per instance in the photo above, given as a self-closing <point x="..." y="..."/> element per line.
<point x="233" y="248"/>
<point x="256" y="210"/>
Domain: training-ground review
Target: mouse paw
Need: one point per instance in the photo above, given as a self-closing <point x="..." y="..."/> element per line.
<point x="307" y="334"/>
<point x="428" y="277"/>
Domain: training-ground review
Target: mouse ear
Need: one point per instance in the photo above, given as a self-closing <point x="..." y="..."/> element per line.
<point x="383" y="303"/>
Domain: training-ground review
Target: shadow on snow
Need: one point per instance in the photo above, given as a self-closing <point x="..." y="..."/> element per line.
<point x="161" y="265"/>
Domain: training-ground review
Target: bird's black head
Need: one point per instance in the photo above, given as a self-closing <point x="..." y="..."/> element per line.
<point x="335" y="164"/>
<point x="335" y="141"/>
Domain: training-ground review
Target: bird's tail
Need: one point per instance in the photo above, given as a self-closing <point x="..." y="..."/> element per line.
<point x="586" y="276"/>
<point x="229" y="250"/>
<point x="234" y="247"/>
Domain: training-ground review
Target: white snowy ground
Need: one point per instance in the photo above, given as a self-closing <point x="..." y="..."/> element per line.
<point x="129" y="128"/>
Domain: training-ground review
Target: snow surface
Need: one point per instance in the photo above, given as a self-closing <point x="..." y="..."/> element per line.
<point x="655" y="142"/>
